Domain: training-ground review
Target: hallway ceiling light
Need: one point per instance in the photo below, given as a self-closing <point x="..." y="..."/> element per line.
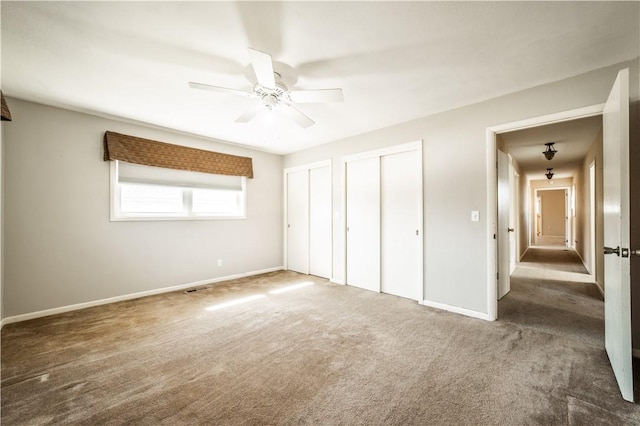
<point x="550" y="152"/>
<point x="549" y="173"/>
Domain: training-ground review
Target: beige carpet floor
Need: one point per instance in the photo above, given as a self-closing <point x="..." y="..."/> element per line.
<point x="237" y="354"/>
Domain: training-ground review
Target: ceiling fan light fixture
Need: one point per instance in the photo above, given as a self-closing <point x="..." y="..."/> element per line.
<point x="550" y="151"/>
<point x="273" y="94"/>
<point x="549" y="173"/>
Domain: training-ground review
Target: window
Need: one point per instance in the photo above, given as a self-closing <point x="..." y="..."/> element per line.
<point x="153" y="193"/>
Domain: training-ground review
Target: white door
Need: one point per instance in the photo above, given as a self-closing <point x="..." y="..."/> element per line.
<point x="617" y="289"/>
<point x="320" y="221"/>
<point x="401" y="224"/>
<point x="504" y="284"/>
<point x="363" y="223"/>
<point x="298" y="221"/>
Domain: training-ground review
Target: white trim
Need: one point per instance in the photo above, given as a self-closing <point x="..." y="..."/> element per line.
<point x="394" y="149"/>
<point x="78" y="306"/>
<point x="600" y="289"/>
<point x="557" y="117"/>
<point x="583" y="264"/>
<point x="338" y="281"/>
<point x="309" y="166"/>
<point x="492" y="182"/>
<point x="457" y="310"/>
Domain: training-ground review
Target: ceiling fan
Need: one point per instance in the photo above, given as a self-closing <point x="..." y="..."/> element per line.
<point x="273" y="93"/>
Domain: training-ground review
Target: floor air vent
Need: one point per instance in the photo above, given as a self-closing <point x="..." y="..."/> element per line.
<point x="196" y="290"/>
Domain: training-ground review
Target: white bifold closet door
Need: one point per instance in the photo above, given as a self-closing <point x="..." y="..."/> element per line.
<point x="384" y="223"/>
<point x="298" y="221"/>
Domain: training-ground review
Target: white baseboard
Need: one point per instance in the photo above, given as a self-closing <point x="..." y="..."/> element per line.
<point x="337" y="281"/>
<point x="523" y="253"/>
<point x="457" y="310"/>
<point x="77" y="306"/>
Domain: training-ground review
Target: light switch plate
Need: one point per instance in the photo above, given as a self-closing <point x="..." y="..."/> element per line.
<point x="475" y="216"/>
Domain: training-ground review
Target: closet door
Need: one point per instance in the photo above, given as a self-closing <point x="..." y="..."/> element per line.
<point x="298" y="221"/>
<point x="320" y="221"/>
<point x="401" y="224"/>
<point x="363" y="223"/>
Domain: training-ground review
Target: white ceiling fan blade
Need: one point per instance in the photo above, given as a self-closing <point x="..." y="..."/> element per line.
<point x="202" y="86"/>
<point x="250" y="114"/>
<point x="300" y="118"/>
<point x="263" y="67"/>
<point x="316" y="96"/>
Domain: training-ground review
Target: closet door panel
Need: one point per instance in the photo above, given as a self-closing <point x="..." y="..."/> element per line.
<point x="320" y="221"/>
<point x="363" y="223"/>
<point x="298" y="221"/>
<point x="401" y="224"/>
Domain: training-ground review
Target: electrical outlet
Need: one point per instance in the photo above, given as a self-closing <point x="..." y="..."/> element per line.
<point x="219" y="262"/>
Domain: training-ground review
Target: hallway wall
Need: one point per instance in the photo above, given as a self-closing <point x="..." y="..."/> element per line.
<point x="553" y="213"/>
<point x="583" y="228"/>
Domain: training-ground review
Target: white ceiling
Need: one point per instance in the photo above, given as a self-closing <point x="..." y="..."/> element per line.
<point x="572" y="139"/>
<point x="396" y="61"/>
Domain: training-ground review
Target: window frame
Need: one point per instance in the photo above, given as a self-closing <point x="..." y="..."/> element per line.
<point x="187" y="198"/>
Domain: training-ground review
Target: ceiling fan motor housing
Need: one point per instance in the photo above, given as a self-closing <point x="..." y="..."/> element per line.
<point x="271" y="97"/>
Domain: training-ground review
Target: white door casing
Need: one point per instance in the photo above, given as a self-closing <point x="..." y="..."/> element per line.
<point x="492" y="190"/>
<point x="617" y="285"/>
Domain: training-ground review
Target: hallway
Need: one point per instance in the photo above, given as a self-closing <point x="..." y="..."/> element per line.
<point x="552" y="292"/>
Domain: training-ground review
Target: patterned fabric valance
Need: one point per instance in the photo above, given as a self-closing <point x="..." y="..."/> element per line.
<point x="159" y="154"/>
<point x="6" y="114"/>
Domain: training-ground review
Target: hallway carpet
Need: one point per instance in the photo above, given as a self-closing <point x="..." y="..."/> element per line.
<point x="236" y="353"/>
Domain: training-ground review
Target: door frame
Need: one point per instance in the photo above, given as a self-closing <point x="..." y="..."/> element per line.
<point x="394" y="149"/>
<point x="492" y="187"/>
<point x="285" y="197"/>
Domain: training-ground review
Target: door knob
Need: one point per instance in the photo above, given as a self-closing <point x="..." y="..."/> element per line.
<point x="609" y="250"/>
<point x="510" y="229"/>
<point x="635" y="252"/>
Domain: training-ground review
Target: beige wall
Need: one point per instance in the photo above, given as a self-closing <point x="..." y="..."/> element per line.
<point x="553" y="213"/>
<point x="60" y="247"/>
<point x="583" y="230"/>
<point x="455" y="178"/>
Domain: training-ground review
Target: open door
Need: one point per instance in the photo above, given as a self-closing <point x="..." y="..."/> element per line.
<point x="617" y="288"/>
<point x="504" y="272"/>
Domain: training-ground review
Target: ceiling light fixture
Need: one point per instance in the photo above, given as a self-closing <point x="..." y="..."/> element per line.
<point x="549" y="173"/>
<point x="550" y="151"/>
